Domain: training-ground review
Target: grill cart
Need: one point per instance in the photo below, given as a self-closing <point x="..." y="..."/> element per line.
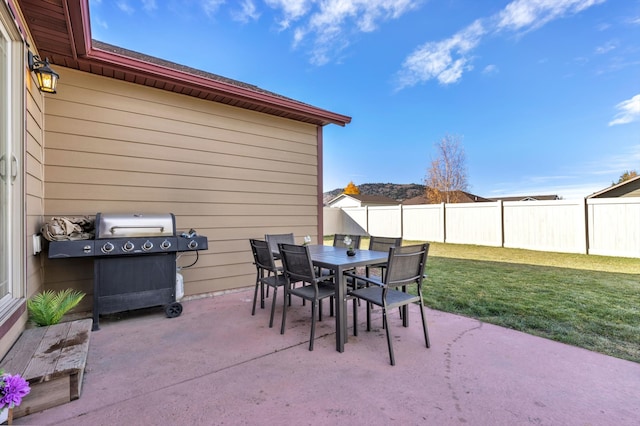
<point x="134" y="259"/>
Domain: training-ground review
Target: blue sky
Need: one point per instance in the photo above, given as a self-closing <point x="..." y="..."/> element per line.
<point x="544" y="94"/>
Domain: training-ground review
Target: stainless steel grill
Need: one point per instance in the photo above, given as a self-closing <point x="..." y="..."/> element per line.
<point x="134" y="261"/>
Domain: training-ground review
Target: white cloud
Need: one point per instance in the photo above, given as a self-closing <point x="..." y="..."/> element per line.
<point x="443" y="60"/>
<point x="247" y="12"/>
<point x="210" y="7"/>
<point x="490" y="69"/>
<point x="329" y="25"/>
<point x="100" y="22"/>
<point x="628" y="111"/>
<point x="446" y="60"/>
<point x="125" y="7"/>
<point x="149" y="5"/>
<point x="607" y="47"/>
<point x="532" y="14"/>
<point x="291" y="9"/>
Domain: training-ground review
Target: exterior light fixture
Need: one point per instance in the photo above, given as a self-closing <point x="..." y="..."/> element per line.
<point x="47" y="78"/>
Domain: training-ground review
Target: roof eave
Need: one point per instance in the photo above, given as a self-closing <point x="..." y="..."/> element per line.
<point x="146" y="69"/>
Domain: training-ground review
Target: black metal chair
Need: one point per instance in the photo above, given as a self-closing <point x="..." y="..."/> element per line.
<point x="405" y="266"/>
<point x="275" y="239"/>
<point x="339" y="241"/>
<point x="267" y="273"/>
<point x="382" y="244"/>
<point x="298" y="267"/>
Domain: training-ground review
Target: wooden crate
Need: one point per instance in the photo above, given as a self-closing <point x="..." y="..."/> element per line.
<point x="52" y="359"/>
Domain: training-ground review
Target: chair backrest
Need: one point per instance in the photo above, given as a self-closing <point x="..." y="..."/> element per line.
<point x="296" y="263"/>
<point x="384" y="243"/>
<point x="338" y="241"/>
<point x="275" y="239"/>
<point x="262" y="255"/>
<point x="406" y="265"/>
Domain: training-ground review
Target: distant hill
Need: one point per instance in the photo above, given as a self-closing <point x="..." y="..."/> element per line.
<point x="395" y="191"/>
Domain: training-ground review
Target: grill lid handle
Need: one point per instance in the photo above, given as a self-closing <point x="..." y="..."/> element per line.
<point x="113" y="228"/>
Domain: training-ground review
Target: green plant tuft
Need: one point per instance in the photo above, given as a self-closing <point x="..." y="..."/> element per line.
<point x="48" y="307"/>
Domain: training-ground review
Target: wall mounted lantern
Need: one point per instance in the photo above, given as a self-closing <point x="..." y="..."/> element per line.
<point x="47" y="78"/>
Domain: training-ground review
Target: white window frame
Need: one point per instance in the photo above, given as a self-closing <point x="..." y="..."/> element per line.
<point x="12" y="139"/>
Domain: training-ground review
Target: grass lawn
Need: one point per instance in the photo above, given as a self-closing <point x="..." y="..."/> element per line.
<point x="588" y="301"/>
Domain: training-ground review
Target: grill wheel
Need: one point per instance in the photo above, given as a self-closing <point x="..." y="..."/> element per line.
<point x="173" y="310"/>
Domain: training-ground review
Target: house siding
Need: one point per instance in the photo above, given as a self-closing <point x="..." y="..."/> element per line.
<point x="232" y="174"/>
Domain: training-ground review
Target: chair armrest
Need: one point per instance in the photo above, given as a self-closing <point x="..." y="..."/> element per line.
<point x="325" y="278"/>
<point x="370" y="280"/>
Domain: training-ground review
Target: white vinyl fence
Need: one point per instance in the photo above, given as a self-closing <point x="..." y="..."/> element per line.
<point x="609" y="227"/>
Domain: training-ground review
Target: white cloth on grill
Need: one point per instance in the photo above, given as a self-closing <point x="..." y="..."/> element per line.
<point x="69" y="228"/>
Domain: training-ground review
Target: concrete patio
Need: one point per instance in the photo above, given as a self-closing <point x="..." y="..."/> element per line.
<point x="218" y="365"/>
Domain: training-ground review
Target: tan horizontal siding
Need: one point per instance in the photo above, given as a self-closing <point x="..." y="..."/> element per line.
<point x="90" y="137"/>
<point x="232" y="174"/>
<point x="196" y="165"/>
<point x="270" y="183"/>
<point x="161" y="131"/>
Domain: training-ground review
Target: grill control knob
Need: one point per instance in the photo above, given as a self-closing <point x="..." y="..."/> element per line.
<point x="165" y="245"/>
<point x="148" y="245"/>
<point x="128" y="246"/>
<point x="107" y="247"/>
<point x="192" y="244"/>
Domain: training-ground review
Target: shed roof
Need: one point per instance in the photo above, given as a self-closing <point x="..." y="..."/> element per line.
<point x="527" y="198"/>
<point x="462" y="197"/>
<point x="61" y="31"/>
<point x="367" y="199"/>
<point x="618" y="190"/>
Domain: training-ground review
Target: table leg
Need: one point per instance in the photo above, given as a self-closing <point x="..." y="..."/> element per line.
<point x="341" y="310"/>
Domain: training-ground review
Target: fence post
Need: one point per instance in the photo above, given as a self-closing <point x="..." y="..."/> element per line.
<point x="366" y="215"/>
<point x="501" y="223"/>
<point x="444" y="222"/>
<point x="585" y="222"/>
<point x="401" y="222"/>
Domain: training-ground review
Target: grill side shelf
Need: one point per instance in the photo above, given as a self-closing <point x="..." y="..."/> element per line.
<point x="76" y="248"/>
<point x="199" y="242"/>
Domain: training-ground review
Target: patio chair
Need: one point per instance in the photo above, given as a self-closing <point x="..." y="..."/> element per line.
<point x="267" y="273"/>
<point x="406" y="266"/>
<point x="298" y="267"/>
<point x="275" y="239"/>
<point x="382" y="244"/>
<point x="338" y="241"/>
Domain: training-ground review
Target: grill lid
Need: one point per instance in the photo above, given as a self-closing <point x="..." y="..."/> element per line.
<point x="135" y="225"/>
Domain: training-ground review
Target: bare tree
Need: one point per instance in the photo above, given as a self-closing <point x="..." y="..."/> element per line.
<point x="447" y="175"/>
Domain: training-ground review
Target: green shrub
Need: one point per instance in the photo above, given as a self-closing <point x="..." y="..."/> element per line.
<point x="48" y="307"/>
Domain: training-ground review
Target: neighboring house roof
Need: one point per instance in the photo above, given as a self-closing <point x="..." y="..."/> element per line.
<point x="527" y="198"/>
<point x="366" y="200"/>
<point x="463" y="197"/>
<point x="62" y="33"/>
<point x="628" y="188"/>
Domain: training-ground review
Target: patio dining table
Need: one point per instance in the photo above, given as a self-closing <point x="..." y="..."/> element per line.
<point x="336" y="259"/>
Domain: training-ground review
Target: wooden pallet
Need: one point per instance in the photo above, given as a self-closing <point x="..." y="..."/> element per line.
<point x="52" y="359"/>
